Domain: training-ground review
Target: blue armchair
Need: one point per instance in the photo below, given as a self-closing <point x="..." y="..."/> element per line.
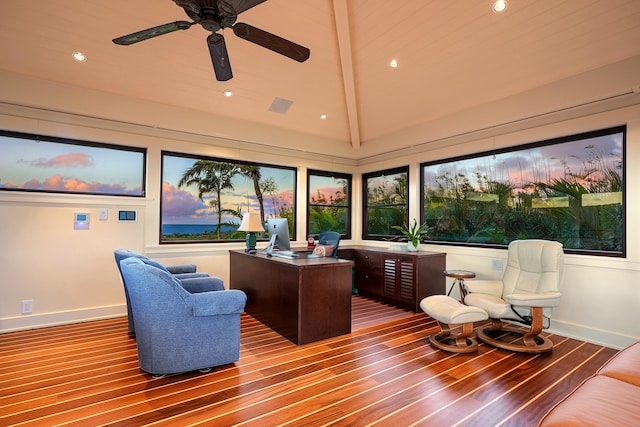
<point x="179" y="331"/>
<point x="192" y="281"/>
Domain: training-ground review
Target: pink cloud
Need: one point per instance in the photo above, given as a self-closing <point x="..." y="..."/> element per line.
<point x="327" y="192"/>
<point x="59" y="183"/>
<point x="71" y="160"/>
<point x="179" y="203"/>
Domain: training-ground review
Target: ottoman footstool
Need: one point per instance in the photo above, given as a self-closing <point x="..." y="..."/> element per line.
<point x="448" y="311"/>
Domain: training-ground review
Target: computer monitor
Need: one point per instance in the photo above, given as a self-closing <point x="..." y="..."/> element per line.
<point x="278" y="229"/>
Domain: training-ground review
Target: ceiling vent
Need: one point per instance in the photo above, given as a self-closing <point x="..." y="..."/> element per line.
<point x="280" y="106"/>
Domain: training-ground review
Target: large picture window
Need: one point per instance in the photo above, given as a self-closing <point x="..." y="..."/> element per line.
<point x="203" y="198"/>
<point x="386" y="203"/>
<point x="329" y="204"/>
<point x="57" y="165"/>
<point x="569" y="189"/>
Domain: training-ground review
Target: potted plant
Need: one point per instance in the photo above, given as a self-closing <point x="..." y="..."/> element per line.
<point x="413" y="233"/>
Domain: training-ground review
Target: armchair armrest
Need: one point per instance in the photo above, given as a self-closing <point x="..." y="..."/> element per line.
<point x="196" y="285"/>
<point x="542" y="299"/>
<point x="218" y="302"/>
<point x="184" y="268"/>
<point x="490" y="287"/>
<point x="183" y="276"/>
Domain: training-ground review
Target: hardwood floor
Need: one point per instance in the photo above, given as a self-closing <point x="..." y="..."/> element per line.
<point x="384" y="373"/>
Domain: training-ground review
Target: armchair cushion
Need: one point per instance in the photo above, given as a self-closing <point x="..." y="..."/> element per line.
<point x="542" y="299"/>
<point x="493" y="305"/>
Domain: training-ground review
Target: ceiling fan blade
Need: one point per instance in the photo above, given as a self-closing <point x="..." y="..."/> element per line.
<point x="271" y="41"/>
<point x="242" y="5"/>
<point x="219" y="57"/>
<point x="152" y="32"/>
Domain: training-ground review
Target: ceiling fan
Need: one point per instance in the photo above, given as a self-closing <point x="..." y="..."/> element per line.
<point x="214" y="15"/>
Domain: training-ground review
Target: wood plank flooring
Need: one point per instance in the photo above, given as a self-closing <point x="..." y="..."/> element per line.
<point x="384" y="373"/>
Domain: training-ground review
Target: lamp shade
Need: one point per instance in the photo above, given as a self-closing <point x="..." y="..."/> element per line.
<point x="251" y="223"/>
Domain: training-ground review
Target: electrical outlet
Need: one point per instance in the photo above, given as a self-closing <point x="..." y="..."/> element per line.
<point x="497" y="264"/>
<point x="27" y="306"/>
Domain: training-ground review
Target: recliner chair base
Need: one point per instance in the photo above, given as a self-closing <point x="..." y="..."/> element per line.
<point x="502" y="336"/>
<point x="455" y="343"/>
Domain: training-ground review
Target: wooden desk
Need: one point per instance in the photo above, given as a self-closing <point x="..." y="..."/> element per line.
<point x="304" y="300"/>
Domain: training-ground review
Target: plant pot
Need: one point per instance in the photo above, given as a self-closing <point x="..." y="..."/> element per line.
<point x="412" y="248"/>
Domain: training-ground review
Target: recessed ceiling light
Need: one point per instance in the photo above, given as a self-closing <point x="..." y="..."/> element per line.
<point x="323" y="117"/>
<point x="228" y="93"/>
<point x="79" y="56"/>
<point x="393" y="63"/>
<point x="499" y="6"/>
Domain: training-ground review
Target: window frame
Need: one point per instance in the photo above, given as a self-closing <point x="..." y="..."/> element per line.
<point x="339" y="175"/>
<point x="543" y="143"/>
<point x="365" y="203"/>
<point x="82" y="143"/>
<point x="197" y="157"/>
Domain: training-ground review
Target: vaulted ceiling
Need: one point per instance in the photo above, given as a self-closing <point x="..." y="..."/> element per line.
<point x="454" y="59"/>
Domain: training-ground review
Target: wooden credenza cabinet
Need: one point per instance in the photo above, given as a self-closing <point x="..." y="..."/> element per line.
<point x="398" y="278"/>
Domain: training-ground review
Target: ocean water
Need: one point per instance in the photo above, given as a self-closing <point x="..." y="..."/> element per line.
<point x="168" y="229"/>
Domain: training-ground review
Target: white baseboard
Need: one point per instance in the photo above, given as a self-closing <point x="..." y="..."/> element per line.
<point x="43" y="320"/>
<point x="591" y="335"/>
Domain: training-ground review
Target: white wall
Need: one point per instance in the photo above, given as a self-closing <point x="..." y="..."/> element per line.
<point x="71" y="275"/>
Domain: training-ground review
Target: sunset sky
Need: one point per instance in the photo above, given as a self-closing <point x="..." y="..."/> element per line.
<point x="47" y="166"/>
<point x="539" y="164"/>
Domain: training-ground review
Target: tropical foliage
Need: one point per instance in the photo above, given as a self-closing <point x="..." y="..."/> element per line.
<point x="578" y="203"/>
<point x="329" y="204"/>
<point x="386" y="204"/>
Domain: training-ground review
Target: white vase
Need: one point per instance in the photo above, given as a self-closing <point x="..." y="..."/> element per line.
<point x="412" y="248"/>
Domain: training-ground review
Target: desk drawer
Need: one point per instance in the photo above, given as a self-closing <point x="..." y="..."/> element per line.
<point x="368" y="282"/>
<point x="368" y="261"/>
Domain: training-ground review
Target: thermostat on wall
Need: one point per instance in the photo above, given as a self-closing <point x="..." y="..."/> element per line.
<point x="80" y="221"/>
<point x="127" y="215"/>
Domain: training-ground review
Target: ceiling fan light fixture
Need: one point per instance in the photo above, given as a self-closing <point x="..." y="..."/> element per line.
<point x="79" y="56"/>
<point x="500" y="6"/>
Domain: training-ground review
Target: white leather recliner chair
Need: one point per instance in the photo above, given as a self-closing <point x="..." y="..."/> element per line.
<point x="529" y="289"/>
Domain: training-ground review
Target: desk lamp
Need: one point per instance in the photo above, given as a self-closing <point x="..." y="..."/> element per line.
<point x="251" y="224"/>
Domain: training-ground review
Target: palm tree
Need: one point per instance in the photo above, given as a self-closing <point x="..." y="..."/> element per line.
<point x="253" y="173"/>
<point x="210" y="177"/>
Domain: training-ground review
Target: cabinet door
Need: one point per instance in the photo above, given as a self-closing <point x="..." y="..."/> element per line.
<point x="368" y="273"/>
<point x="399" y="278"/>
